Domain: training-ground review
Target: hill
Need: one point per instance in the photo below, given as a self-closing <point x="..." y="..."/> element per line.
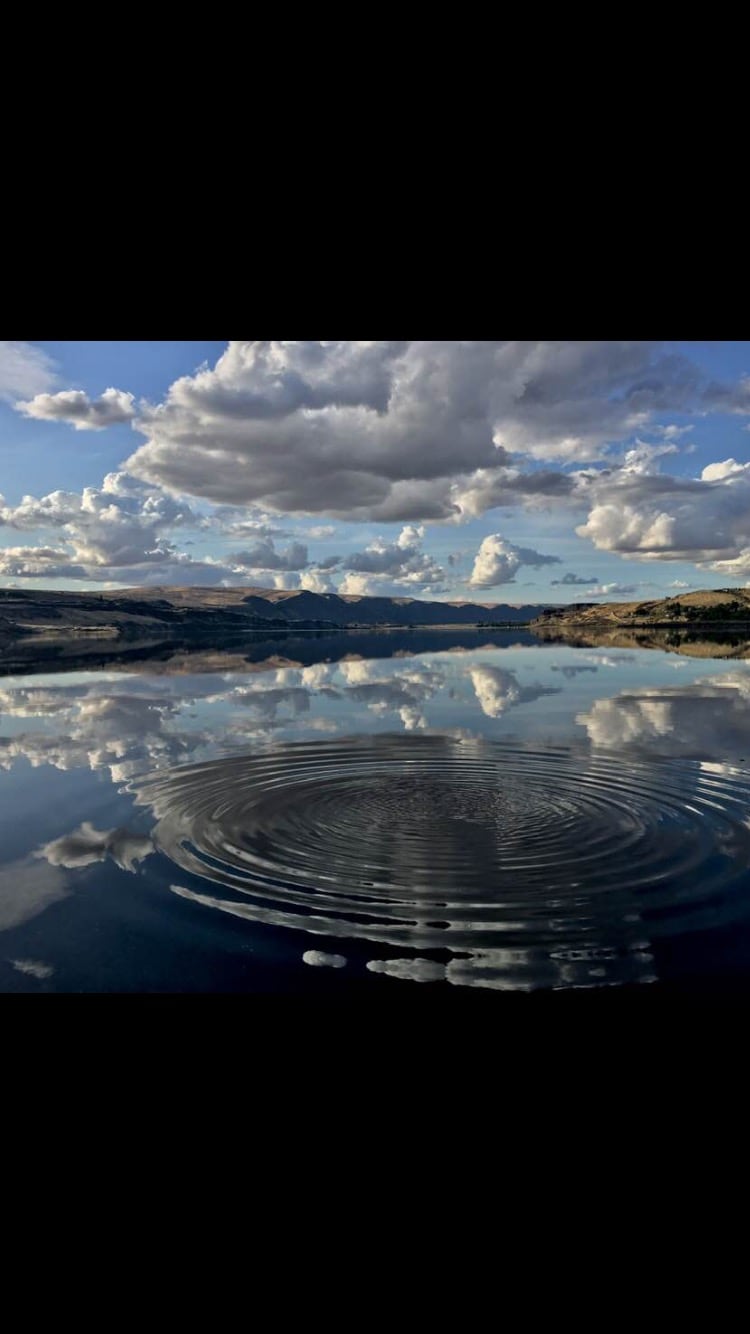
<point x="49" y="625"/>
<point x="719" y="607"/>
<point x="334" y="608"/>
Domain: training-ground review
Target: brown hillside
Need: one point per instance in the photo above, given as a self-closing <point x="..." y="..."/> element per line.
<point x="705" y="606"/>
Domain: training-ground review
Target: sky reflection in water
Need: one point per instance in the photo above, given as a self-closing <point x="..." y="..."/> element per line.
<point x="507" y="816"/>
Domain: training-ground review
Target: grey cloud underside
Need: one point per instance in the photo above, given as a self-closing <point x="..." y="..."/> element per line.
<point x="38" y="563"/>
<point x="392" y="432"/>
<point x="264" y="556"/>
<point x="236" y="521"/>
<point x="400" y="431"/>
<point x="666" y="518"/>
<point x="402" y="561"/>
<point x="76" y="408"/>
<point x="527" y="556"/>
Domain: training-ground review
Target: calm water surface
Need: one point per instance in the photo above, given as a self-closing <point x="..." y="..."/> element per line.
<point x="355" y="814"/>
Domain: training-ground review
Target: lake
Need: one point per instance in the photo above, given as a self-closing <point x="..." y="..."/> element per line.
<point x="359" y="814"/>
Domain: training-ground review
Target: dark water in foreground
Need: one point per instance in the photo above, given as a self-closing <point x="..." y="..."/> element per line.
<point x="356" y="815"/>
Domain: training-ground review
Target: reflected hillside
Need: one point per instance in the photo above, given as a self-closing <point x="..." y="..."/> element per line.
<point x="249" y="651"/>
<point x="692" y="644"/>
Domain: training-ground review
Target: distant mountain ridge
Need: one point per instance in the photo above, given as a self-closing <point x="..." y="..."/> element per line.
<point x="340" y="608"/>
<point x="208" y="614"/>
<point x="43" y="626"/>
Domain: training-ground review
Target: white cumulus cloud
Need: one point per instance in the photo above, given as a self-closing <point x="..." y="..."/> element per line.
<point x="650" y="517"/>
<point x="498" y="561"/>
<point x="401" y="562"/>
<point x="82" y="412"/>
<point x="410" y="430"/>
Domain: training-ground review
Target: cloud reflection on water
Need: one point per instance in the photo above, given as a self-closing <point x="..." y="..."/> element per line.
<point x="125" y="725"/>
<point x="706" y="720"/>
<point x="121" y="726"/>
<point x="87" y="845"/>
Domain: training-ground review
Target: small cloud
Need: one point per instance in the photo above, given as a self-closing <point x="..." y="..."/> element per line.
<point x="718" y="472"/>
<point x="76" y="408"/>
<point x="570" y="579"/>
<point x="320" y="532"/>
<point x="613" y="590"/>
<point x="265" y="556"/>
<point x="670" y="432"/>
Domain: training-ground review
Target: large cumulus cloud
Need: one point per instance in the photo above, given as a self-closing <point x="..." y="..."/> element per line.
<point x="123" y="531"/>
<point x="120" y="523"/>
<point x="650" y="516"/>
<point x="395" y="432"/>
<point x="403" y="431"/>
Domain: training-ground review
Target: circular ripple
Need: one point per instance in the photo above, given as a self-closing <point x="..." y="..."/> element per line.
<point x="521" y="867"/>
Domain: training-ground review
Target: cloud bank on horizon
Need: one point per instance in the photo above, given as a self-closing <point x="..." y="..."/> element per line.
<point x="527" y="454"/>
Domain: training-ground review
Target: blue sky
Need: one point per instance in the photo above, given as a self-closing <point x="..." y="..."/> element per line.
<point x="505" y="472"/>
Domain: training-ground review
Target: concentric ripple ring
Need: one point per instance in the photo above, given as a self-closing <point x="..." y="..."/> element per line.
<point x="550" y="866"/>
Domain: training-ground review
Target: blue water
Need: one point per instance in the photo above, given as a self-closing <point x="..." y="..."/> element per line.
<point x="361" y="814"/>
